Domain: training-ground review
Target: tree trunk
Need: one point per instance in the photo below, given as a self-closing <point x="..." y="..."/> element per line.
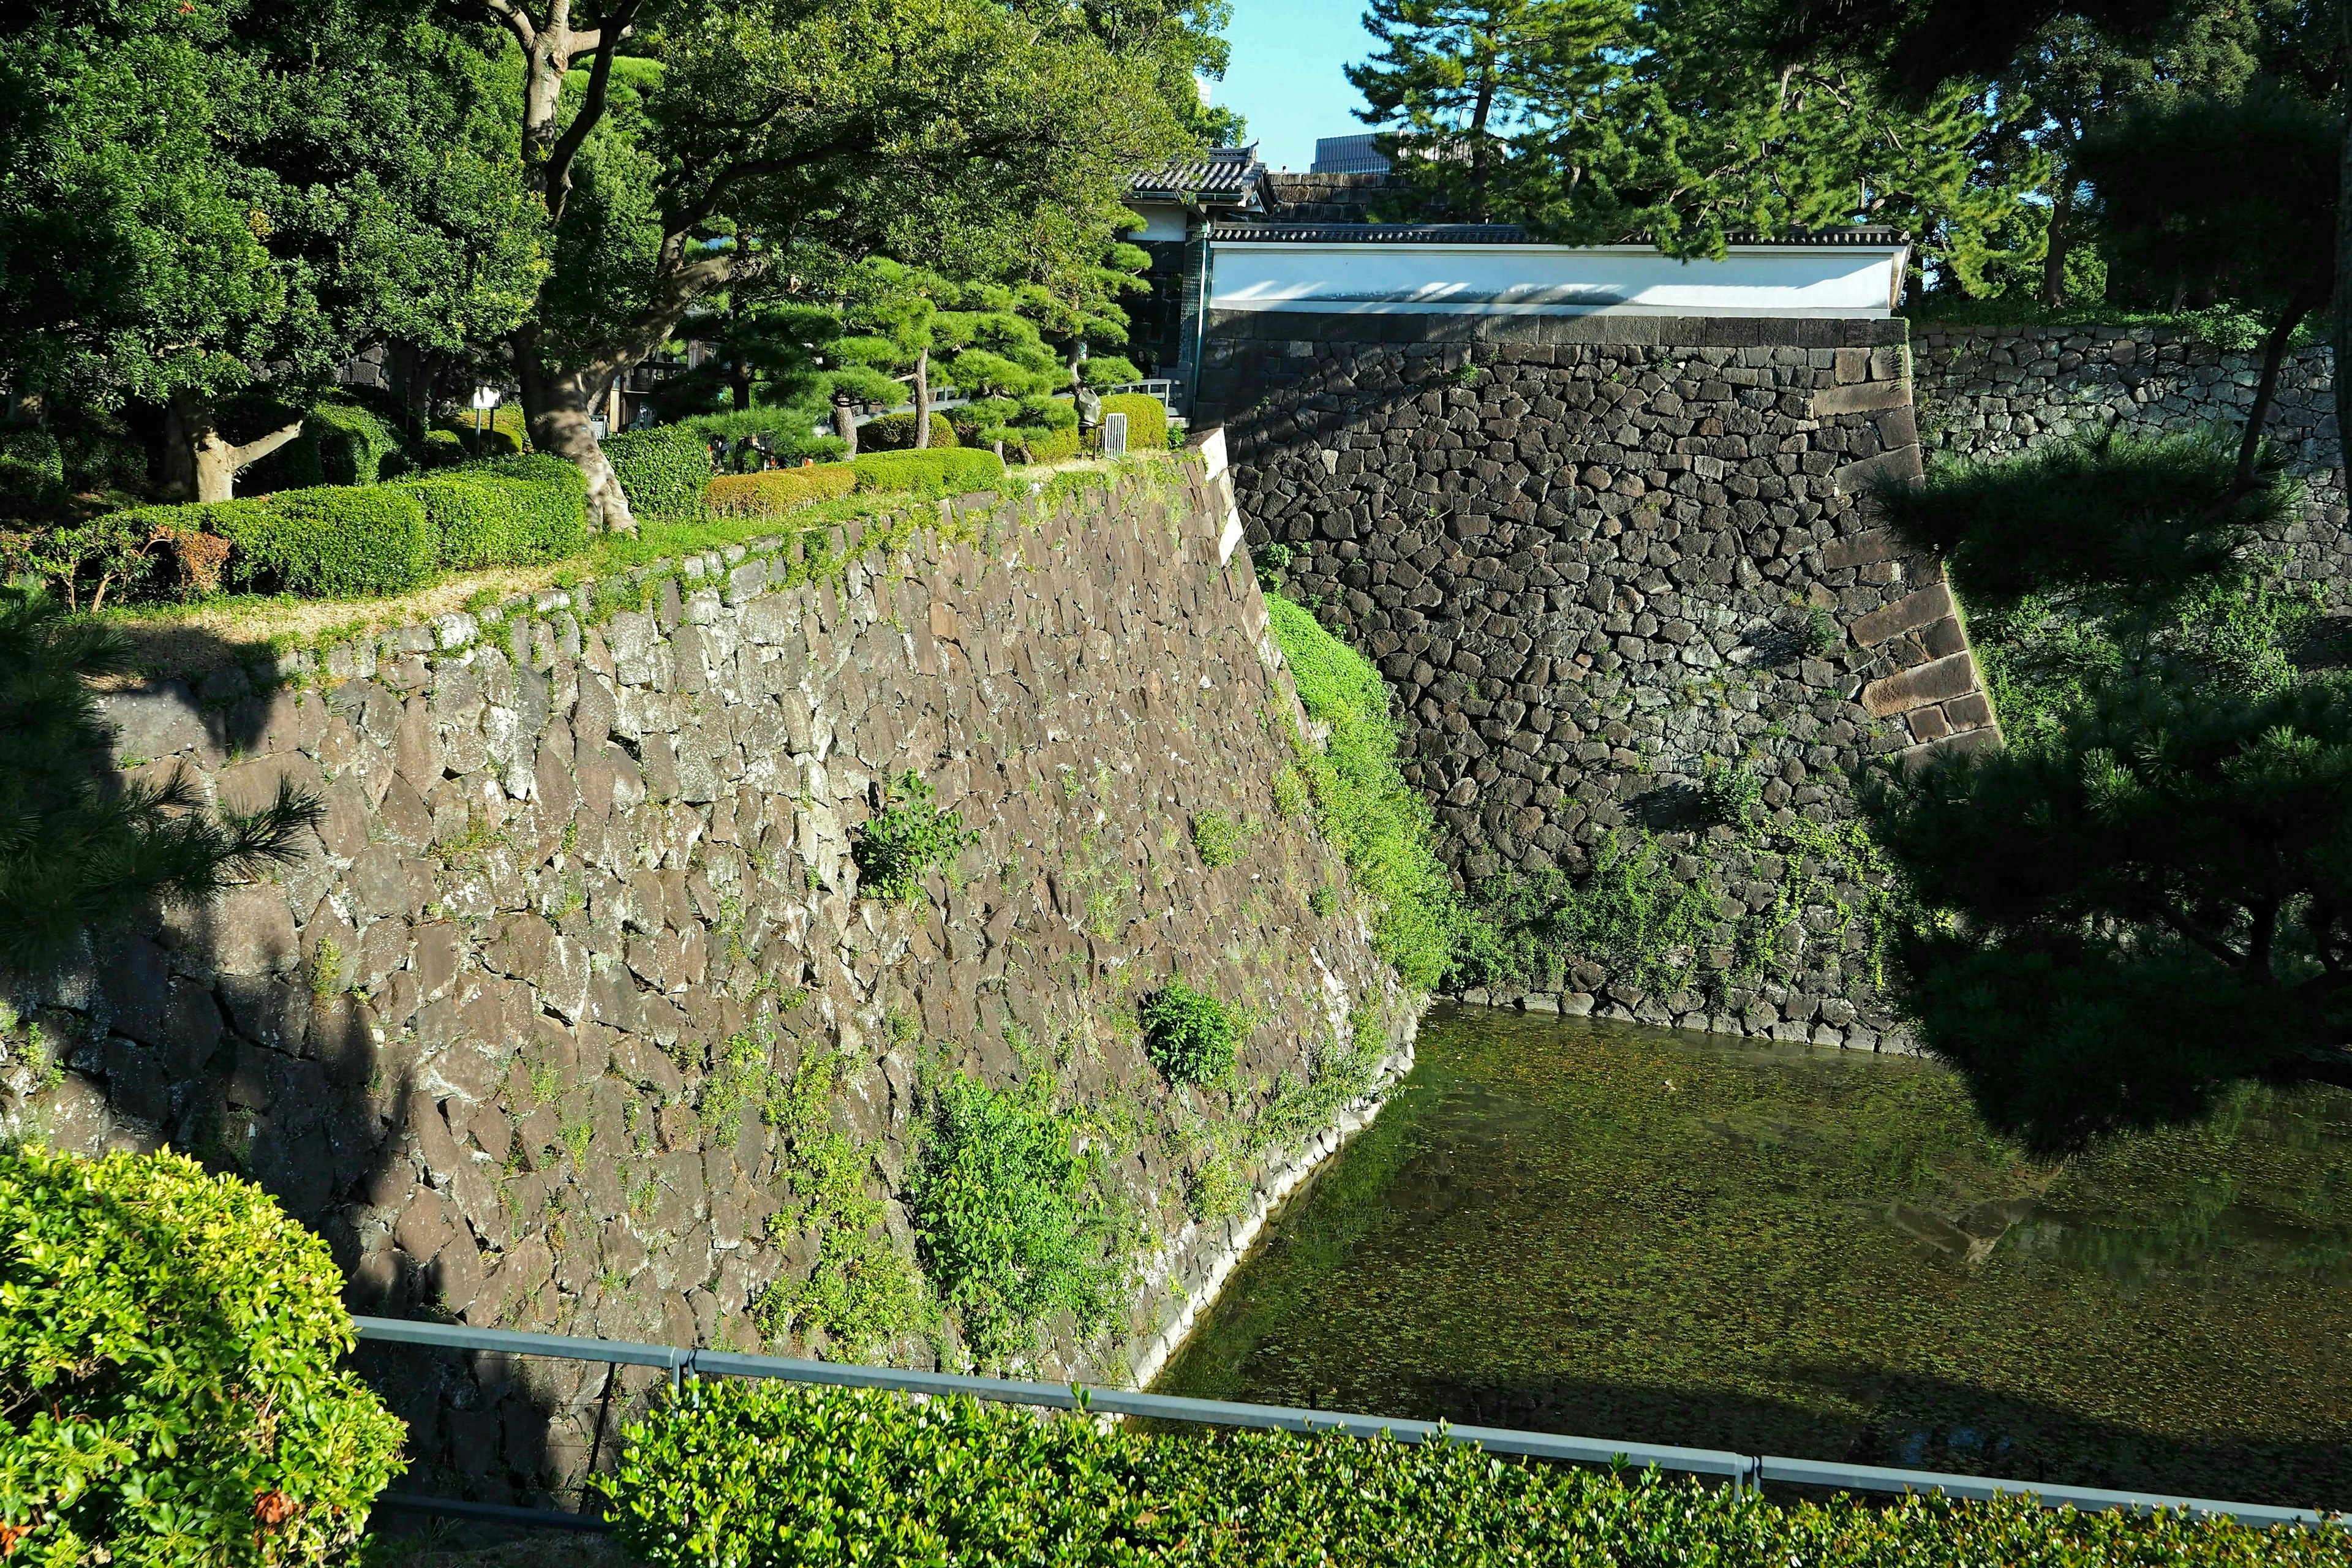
<point x="557" y="408"/>
<point x="739" y="383"/>
<point x="845" y="425"/>
<point x="2054" y="258"/>
<point x="2250" y="443"/>
<point x="199" y="462"/>
<point x="923" y="398"/>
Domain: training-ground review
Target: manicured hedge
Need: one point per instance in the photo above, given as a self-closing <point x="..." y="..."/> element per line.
<point x="782" y="490"/>
<point x="1147" y="419"/>
<point x="509" y="431"/>
<point x="1045" y="445"/>
<point x="896" y="432"/>
<point x="170" y="1351"/>
<point x="352" y="442"/>
<point x="662" y="470"/>
<point x="330" y="542"/>
<point x="504" y="511"/>
<point x="957" y="467"/>
<point x="761" y="1476"/>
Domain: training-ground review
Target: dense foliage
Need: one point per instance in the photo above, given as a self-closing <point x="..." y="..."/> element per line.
<point x="1015" y="1221"/>
<point x="168" y="1351"/>
<point x="770" y="1475"/>
<point x="1147" y="419"/>
<point x="1380" y="824"/>
<point x="782" y="490"/>
<point x="74" y="858"/>
<point x="663" y="470"/>
<point x="906" y="840"/>
<point x="955" y="468"/>
<point x="1189" y="1035"/>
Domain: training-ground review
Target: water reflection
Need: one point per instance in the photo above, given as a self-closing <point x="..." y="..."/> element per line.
<point x="1619" y="1231"/>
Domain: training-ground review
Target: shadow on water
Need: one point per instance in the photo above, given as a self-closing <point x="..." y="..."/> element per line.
<point x="1623" y="1232"/>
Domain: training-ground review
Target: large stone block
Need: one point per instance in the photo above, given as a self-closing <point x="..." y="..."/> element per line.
<point x="1936" y="681"/>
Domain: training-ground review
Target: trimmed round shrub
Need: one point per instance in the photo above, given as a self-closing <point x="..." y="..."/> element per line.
<point x="169" y="1342"/>
<point x="958" y="468"/>
<point x="1044" y="445"/>
<point x="662" y="470"/>
<point x="352" y="442"/>
<point x="1147" y="419"/>
<point x="504" y="511"/>
<point x="896" y="432"/>
<point x="1191" y="1037"/>
<point x="508" y="431"/>
<point x="782" y="490"/>
<point x="333" y="541"/>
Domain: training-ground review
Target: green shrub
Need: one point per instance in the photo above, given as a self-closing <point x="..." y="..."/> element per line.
<point x="1380" y="824"/>
<point x="1191" y="1037"/>
<point x="1728" y="795"/>
<point x="1040" y="445"/>
<point x="772" y="1476"/>
<point x="790" y="429"/>
<point x="32" y="466"/>
<point x="896" y="432"/>
<point x="506" y="433"/>
<point x="330" y="541"/>
<point x="774" y="494"/>
<point x="1147" y="419"/>
<point x="1011" y="1218"/>
<point x="956" y="468"/>
<point x="1218" y="838"/>
<point x="662" y="470"/>
<point x="168" y="1349"/>
<point x="906" y="841"/>
<point x="352" y="442"/>
<point x="504" y="511"/>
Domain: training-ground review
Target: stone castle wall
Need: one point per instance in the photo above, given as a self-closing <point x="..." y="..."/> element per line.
<point x="1594" y="555"/>
<point x="1984" y="392"/>
<point x="476" y="1033"/>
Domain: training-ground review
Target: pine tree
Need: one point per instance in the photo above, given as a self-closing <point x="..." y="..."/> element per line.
<point x="1454" y="77"/>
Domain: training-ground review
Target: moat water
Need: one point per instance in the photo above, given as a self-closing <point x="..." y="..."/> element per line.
<point x="1618" y="1231"/>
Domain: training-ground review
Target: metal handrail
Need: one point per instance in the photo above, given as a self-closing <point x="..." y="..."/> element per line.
<point x="1742" y="1471"/>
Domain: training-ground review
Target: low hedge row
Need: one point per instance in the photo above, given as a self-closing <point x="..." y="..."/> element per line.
<point x="761" y="1476"/>
<point x="504" y="511"/>
<point x="956" y="468"/>
<point x="782" y="490"/>
<point x="352" y="541"/>
<point x="663" y="470"/>
<point x="1147" y="419"/>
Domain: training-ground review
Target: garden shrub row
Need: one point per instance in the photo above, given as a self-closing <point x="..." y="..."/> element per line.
<point x="764" y="1476"/>
<point x="956" y="468"/>
<point x="1044" y="445"/>
<point x="351" y="541"/>
<point x="662" y="470"/>
<point x="782" y="490"/>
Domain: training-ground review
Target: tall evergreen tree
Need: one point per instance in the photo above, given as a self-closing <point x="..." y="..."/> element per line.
<point x="1454" y="80"/>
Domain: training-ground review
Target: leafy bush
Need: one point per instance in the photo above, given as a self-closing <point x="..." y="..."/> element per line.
<point x="1191" y="1037"/>
<point x="1039" y="444"/>
<point x="782" y="490"/>
<point x="82" y="564"/>
<point x="506" y="433"/>
<point x="1217" y="838"/>
<point x="662" y="470"/>
<point x="955" y="468"/>
<point x="32" y="468"/>
<point x="504" y="511"/>
<point x="353" y="442"/>
<point x="1147" y="419"/>
<point x="896" y="432"/>
<point x="789" y="427"/>
<point x="168" y="1342"/>
<point x="1012" y="1221"/>
<point x="1634" y="912"/>
<point x="329" y="543"/>
<point x="773" y="1476"/>
<point x="1728" y="795"/>
<point x="1380" y="824"/>
<point x="906" y="841"/>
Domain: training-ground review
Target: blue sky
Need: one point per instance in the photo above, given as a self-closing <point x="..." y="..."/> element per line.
<point x="1285" y="74"/>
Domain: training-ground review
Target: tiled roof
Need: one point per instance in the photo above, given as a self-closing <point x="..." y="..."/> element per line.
<point x="1510" y="234"/>
<point x="1229" y="171"/>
